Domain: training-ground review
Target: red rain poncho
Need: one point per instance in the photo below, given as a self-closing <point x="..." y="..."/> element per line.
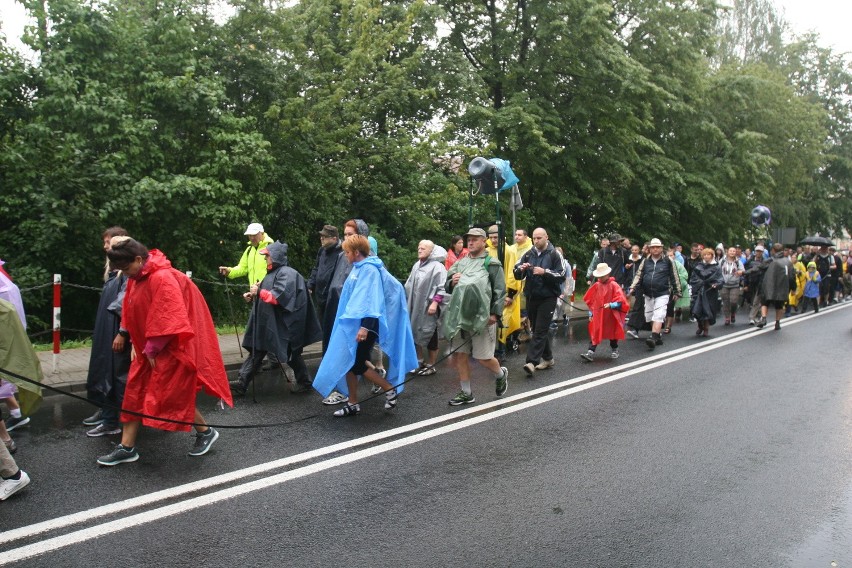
<point x="606" y="323"/>
<point x="162" y="302"/>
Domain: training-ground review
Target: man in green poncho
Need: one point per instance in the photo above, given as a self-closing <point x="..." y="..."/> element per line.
<point x="478" y="288"/>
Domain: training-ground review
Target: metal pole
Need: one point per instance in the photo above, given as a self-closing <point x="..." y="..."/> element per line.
<point x="470" y="206"/>
<point x="57" y="312"/>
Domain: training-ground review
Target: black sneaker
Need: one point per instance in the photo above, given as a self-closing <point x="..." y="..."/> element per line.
<point x="348" y="410"/>
<point x="203" y="442"/>
<point x="391" y="398"/>
<point x="103" y="429"/>
<point x="650" y="343"/>
<point x="462" y="398"/>
<point x="760" y="323"/>
<point x="658" y="340"/>
<point x="502" y="382"/>
<point x="119" y="455"/>
<point x="94" y="419"/>
<point x="12" y="422"/>
<point x="238" y="387"/>
<point x="297" y="388"/>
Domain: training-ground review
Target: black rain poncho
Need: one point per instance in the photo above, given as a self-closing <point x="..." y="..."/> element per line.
<point x="290" y="324"/>
<point x="106" y="366"/>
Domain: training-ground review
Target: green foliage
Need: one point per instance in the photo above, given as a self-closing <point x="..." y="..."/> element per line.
<point x="655" y="119"/>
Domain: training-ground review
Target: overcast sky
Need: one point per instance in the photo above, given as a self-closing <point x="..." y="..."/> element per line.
<point x="830" y="18"/>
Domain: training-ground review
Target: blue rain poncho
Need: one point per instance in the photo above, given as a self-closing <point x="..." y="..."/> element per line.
<point x="370" y="291"/>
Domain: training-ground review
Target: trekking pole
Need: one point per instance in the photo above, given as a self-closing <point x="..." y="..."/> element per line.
<point x="255" y="311"/>
<point x="233" y="319"/>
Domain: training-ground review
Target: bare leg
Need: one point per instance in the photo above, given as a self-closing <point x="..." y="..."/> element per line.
<point x="129" y="432"/>
<point x="433" y="357"/>
<point x="492" y="365"/>
<point x="199" y="419"/>
<point x="463" y="366"/>
<point x="372" y="376"/>
<point x="352" y="383"/>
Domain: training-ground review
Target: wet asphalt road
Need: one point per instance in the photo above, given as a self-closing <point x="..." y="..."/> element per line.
<point x="727" y="451"/>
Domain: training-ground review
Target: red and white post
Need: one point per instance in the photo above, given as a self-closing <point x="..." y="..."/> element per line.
<point x="57" y="310"/>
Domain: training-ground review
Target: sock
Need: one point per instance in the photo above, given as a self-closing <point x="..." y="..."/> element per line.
<point x="16" y="477"/>
<point x="15" y="412"/>
<point x="465" y="386"/>
<point x="499" y="375"/>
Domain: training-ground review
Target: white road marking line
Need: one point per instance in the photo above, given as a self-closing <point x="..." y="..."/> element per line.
<point x="82" y="535"/>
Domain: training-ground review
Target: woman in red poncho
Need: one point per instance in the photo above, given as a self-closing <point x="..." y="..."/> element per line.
<point x="607" y="309"/>
<point x="176" y="348"/>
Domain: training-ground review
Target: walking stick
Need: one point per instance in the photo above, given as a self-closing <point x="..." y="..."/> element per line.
<point x="233" y="319"/>
<point x="254" y="342"/>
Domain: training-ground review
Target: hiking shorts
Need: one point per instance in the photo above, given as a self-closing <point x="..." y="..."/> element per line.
<point x="480" y="347"/>
<point x="655" y="308"/>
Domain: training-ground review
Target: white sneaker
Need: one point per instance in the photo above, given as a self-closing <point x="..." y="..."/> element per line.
<point x="545" y="364"/>
<point x="10" y="486"/>
<point x="335" y="398"/>
<point x="632" y="334"/>
<point x="588" y="355"/>
<point x="530" y="369"/>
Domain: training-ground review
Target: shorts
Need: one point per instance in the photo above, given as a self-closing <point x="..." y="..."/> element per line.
<point x="480" y="347"/>
<point x="362" y="354"/>
<point x="777" y="304"/>
<point x="655" y="308"/>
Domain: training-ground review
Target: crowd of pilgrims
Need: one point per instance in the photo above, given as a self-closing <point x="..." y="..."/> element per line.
<point x="153" y="325"/>
<point x="734" y="278"/>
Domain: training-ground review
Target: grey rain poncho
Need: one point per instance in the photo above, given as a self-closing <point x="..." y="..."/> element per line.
<point x="425" y="281"/>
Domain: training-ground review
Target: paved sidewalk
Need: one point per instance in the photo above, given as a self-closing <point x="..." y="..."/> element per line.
<point x="68" y="370"/>
<point x="72" y="365"/>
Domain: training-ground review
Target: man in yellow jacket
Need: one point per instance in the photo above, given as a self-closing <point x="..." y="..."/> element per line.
<point x="252" y="264"/>
<point x="511" y="319"/>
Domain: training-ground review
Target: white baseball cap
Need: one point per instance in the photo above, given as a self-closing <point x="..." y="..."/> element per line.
<point x="254" y="229"/>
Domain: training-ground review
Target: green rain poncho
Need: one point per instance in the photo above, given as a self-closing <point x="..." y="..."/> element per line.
<point x="478" y="294"/>
<point x="17" y="356"/>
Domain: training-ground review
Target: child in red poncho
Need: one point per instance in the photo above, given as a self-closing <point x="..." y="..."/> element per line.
<point x="607" y="309"/>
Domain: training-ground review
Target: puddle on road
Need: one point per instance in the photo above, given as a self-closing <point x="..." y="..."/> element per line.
<point x="831" y="545"/>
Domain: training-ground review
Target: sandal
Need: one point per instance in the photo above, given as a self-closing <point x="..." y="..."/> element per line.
<point x="427" y="370"/>
<point x="667" y="330"/>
